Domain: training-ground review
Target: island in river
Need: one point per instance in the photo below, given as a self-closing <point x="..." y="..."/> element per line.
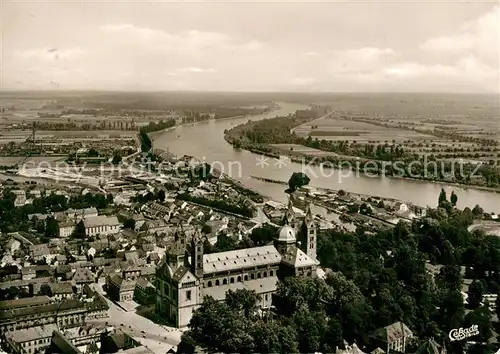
<point x="206" y="141"/>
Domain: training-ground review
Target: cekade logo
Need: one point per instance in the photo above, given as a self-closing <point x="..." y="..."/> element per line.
<point x="462" y="333"/>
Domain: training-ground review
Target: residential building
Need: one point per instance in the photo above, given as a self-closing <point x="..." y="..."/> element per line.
<point x="350" y="349"/>
<point x="144" y="292"/>
<point x="30" y="340"/>
<point x="393" y="338"/>
<point x="62" y="291"/>
<point x="101" y="225"/>
<point x="40" y="311"/>
<point x="120" y="287"/>
<point x="66" y="228"/>
<point x="431" y="347"/>
<point x="82" y="276"/>
<point x="79" y="214"/>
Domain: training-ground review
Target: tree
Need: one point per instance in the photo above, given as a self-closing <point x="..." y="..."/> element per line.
<point x="482" y="318"/>
<point x="451" y="309"/>
<point x="129" y="224"/>
<point x="477" y="211"/>
<point x="51" y="227"/>
<point x="497" y="305"/>
<point x="475" y="294"/>
<point x="92" y="153"/>
<point x="201" y="172"/>
<point x="45" y="289"/>
<point x="453" y="198"/>
<point x="79" y="231"/>
<point x="206" y="229"/>
<point x="261" y="236"/>
<point x="450" y="278"/>
<point x="116" y="159"/>
<point x="297" y="180"/>
<point x="365" y="209"/>
<point x="442" y="197"/>
<point x="243" y="300"/>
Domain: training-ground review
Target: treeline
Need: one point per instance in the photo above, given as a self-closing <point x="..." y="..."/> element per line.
<point x="218" y="204"/>
<point x="374" y="281"/>
<point x="157" y="126"/>
<point x="16" y="218"/>
<point x="146" y="143"/>
<point x="258" y="137"/>
<point x="259" y="236"/>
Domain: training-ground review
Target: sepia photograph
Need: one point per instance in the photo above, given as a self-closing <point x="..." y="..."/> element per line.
<point x="269" y="176"/>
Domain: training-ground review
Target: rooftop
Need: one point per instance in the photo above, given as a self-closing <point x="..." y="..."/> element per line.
<point x="33" y="333"/>
<point x="237" y="259"/>
<point x="101" y="220"/>
<point x="297" y="258"/>
<point x="260" y="286"/>
<point x="29" y="301"/>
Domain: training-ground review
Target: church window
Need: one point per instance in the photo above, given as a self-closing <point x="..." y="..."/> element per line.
<point x="271" y="273"/>
<point x="246" y="277"/>
<point x="217" y="282"/>
<point x="258" y="275"/>
<point x="252" y="276"/>
<point x="239" y="279"/>
<point x="188" y="295"/>
<point x="264" y="275"/>
<point x="209" y="284"/>
<point x="232" y="280"/>
<point x="224" y="282"/>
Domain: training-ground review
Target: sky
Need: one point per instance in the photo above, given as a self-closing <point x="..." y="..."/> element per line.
<point x="336" y="46"/>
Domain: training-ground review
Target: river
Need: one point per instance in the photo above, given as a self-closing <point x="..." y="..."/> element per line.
<point x="205" y="140"/>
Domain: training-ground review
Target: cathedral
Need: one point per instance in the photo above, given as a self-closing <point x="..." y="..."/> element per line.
<point x="186" y="275"/>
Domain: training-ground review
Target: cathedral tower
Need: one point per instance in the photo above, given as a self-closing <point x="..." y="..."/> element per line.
<point x="309" y="228"/>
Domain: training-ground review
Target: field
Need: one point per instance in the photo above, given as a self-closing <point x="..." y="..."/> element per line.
<point x="341" y="129"/>
<point x="299" y="149"/>
<point x="446" y="126"/>
<point x="12" y="160"/>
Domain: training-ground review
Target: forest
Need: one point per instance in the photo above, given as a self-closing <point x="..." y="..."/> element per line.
<point x="371" y="281"/>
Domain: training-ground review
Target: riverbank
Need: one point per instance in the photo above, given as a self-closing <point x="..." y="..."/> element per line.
<point x="153" y="134"/>
<point x="353" y="162"/>
<point x="329" y="190"/>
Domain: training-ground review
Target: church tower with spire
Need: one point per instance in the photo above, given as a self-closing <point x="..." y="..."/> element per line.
<point x="309" y="228"/>
<point x="289" y="218"/>
<point x="197" y="255"/>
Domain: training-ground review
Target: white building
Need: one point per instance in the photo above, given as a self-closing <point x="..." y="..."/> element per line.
<point x="66" y="228"/>
<point x="182" y="282"/>
<point x="101" y="225"/>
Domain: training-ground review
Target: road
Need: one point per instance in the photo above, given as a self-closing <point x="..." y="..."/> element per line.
<point x="139" y="327"/>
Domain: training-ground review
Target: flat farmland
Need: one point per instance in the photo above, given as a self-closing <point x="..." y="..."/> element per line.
<point x="300" y="149"/>
<point x="341" y="129"/>
<point x="13" y="160"/>
<point x="10" y="160"/>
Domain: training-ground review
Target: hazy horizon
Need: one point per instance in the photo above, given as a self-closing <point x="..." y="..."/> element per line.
<point x="328" y="47"/>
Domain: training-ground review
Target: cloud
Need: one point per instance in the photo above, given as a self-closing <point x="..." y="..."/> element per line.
<point x="480" y="37"/>
<point x="193" y="69"/>
<point x="192" y="40"/>
<point x="303" y="81"/>
<point x="366" y="53"/>
<point x="50" y="54"/>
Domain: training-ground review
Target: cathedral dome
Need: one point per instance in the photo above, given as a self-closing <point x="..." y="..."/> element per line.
<point x="286" y="234"/>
